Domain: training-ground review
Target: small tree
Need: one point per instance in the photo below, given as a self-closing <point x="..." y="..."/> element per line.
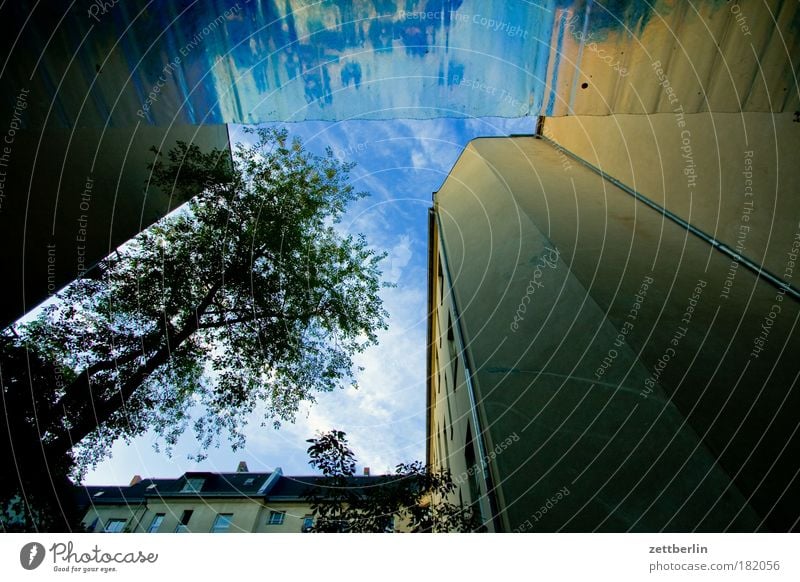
<point x="248" y="296"/>
<point x="415" y="493"/>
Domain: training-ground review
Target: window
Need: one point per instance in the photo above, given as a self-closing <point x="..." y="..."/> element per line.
<point x="193" y="485"/>
<point x="455" y="373"/>
<point x="446" y="446"/>
<point x="156" y="523"/>
<point x="222" y="522"/>
<point x="249" y="481"/>
<point x="115" y="525"/>
<point x="438" y="444"/>
<point x="473" y="470"/>
<point x="451" y="348"/>
<point x="185" y="517"/>
<point x="276" y="517"/>
<point x="389" y="525"/>
<point x="308" y="523"/>
<point x="441" y="285"/>
<point x="449" y="411"/>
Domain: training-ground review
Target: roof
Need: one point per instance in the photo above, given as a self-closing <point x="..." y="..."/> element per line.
<point x="273" y="485"/>
<point x="298" y="487"/>
<point x="214" y="485"/>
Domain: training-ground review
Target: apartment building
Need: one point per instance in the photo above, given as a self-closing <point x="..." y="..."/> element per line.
<point x="207" y="502"/>
<point x="598" y="361"/>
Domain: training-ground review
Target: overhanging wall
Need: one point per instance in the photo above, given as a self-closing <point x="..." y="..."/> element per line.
<point x="160" y="62"/>
<point x="73" y="196"/>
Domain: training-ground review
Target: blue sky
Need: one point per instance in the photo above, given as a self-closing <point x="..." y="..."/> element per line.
<point x="400" y="163"/>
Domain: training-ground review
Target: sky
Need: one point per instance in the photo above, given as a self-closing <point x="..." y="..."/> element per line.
<point x="400" y="163"/>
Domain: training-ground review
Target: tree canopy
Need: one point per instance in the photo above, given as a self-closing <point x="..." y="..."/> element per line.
<point x="249" y="298"/>
<point x="416" y="494"/>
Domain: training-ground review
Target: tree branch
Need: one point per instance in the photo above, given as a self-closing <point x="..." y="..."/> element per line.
<point x="248" y="319"/>
<point x="104" y="409"/>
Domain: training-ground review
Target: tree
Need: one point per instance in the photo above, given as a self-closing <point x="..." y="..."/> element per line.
<point x="33" y="482"/>
<point x="249" y="296"/>
<point x="416" y="494"/>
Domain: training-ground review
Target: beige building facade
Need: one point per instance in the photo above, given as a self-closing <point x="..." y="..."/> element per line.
<point x="613" y="299"/>
<point x="204" y="502"/>
<point x="612" y="323"/>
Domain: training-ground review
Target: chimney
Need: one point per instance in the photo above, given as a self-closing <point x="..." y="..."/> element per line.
<point x="366" y="471"/>
<point x="136" y="479"/>
<point x="242" y="468"/>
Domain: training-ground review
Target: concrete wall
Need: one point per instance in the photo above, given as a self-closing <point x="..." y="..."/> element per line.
<point x="248" y="515"/>
<point x="733" y="175"/>
<point x="712" y="56"/>
<point x="599" y="332"/>
<point x="245" y="514"/>
<point x="73" y="196"/>
<point x="274" y="61"/>
<point x="452" y="424"/>
<point x="98" y="516"/>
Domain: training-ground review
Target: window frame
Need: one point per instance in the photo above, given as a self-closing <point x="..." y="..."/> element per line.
<point x="216" y="527"/>
<point x="183" y="524"/>
<point x="156" y="522"/>
<point x="193" y="485"/>
<point x="276" y="513"/>
<point x="115" y="521"/>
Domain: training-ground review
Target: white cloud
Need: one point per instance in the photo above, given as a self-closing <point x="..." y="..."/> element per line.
<point x="399" y="256"/>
